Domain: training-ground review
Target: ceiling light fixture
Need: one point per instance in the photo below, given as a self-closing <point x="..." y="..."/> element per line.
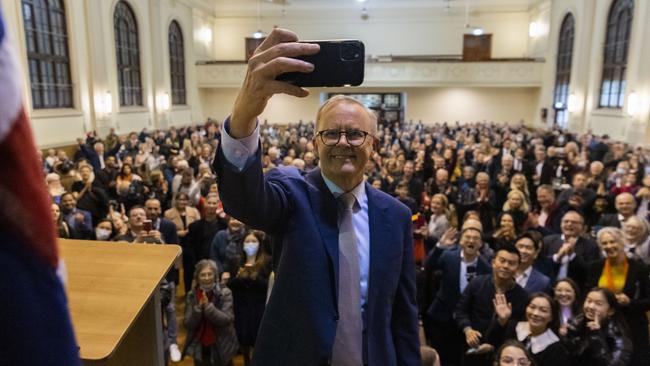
<point x="258" y="34"/>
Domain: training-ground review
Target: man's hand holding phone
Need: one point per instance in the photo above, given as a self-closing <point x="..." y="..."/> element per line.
<point x="273" y="57"/>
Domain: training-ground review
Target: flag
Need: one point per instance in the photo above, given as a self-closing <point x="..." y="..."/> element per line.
<point x="35" y="327"/>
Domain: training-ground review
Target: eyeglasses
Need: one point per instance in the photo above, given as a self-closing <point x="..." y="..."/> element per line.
<point x="332" y="137"/>
<point x="507" y="360"/>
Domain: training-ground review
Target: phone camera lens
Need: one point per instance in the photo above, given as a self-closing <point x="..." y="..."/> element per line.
<point x="350" y="52"/>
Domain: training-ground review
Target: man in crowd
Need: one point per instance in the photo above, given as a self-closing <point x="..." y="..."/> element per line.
<point x="475" y="309"/>
<point x="625" y="208"/>
<point x="325" y="226"/>
<point x="458" y="266"/>
<point x="79" y="221"/>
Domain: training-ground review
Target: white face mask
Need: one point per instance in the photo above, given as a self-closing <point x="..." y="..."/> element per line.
<point x="102" y="234"/>
<point x="251" y="248"/>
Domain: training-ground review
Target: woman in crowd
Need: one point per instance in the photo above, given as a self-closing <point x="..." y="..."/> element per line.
<point x="505" y="233"/>
<point x="513" y="353"/>
<point x="249" y="288"/>
<point x="439" y="220"/>
<point x="124" y="179"/>
<point x="628" y="279"/>
<point x="518" y="207"/>
<point x="567" y="294"/>
<point x="54" y="186"/>
<point x="520" y="183"/>
<point x="537" y="332"/>
<point x="599" y="336"/>
<point x="61" y="226"/>
<point x="636" y="233"/>
<point x="209" y="319"/>
<point x="104" y="230"/>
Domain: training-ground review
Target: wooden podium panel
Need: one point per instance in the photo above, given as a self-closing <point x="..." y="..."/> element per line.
<point x="113" y="297"/>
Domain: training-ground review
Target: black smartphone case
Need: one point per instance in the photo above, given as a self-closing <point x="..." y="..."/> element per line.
<point x="338" y="63"/>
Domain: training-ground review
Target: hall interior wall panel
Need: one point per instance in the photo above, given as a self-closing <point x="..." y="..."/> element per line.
<point x="427" y="104"/>
<point x="382" y="34"/>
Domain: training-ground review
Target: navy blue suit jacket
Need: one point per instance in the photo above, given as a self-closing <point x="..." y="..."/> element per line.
<point x="538" y="282"/>
<point x="300" y="320"/>
<point x="448" y="262"/>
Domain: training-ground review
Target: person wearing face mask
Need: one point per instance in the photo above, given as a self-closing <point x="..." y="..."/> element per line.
<point x="209" y="319"/>
<point x="599" y="336"/>
<point x="538" y="332"/>
<point x="104" y="230"/>
<point x="249" y="288"/>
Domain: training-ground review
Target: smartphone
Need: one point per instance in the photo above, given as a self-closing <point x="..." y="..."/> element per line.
<point x="338" y="63"/>
<point x="146" y="225"/>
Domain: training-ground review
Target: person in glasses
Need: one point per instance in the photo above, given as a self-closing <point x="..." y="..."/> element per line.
<point x="344" y="290"/>
<point x="457" y="265"/>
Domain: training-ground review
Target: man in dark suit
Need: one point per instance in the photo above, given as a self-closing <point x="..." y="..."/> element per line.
<point x="476" y="307"/>
<point x="569" y="251"/>
<point x="168" y="235"/>
<point x="344" y="291"/>
<point x="97" y="154"/>
<point x="79" y="221"/>
<point x="457" y="266"/>
<point x="529" y="245"/>
<point x="625" y="208"/>
<point x="540" y="171"/>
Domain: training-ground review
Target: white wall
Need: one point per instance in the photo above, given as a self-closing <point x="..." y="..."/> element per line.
<point x="591" y="19"/>
<point x="427" y="104"/>
<point x="424" y="34"/>
<point x="93" y="68"/>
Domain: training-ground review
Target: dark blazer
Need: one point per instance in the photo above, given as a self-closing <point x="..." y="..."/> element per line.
<point x="168" y="231"/>
<point x="609" y="220"/>
<point x="300" y="320"/>
<point x="448" y="263"/>
<point x="585" y="248"/>
<point x="547" y="172"/>
<point x="538" y="282"/>
<point x="637" y="288"/>
<point x="476" y="308"/>
<point x="93" y="157"/>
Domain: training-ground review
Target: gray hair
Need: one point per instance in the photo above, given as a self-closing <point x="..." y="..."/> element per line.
<point x="202" y="264"/>
<point x="340" y="98"/>
<point x="615" y="232"/>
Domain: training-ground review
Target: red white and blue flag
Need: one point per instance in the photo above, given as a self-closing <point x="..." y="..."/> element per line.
<point x="35" y="327"/>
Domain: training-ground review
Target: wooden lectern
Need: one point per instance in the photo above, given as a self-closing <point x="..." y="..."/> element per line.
<point x="114" y="300"/>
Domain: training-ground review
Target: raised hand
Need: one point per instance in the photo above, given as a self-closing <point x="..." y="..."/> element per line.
<point x="272" y="58"/>
<point x="448" y="238"/>
<point x="502" y="308"/>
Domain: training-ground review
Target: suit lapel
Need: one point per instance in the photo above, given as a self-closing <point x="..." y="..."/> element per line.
<point x="455" y="277"/>
<point x="325" y="214"/>
<point x="379" y="230"/>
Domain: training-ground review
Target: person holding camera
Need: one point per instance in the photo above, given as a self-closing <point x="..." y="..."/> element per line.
<point x="344" y="291"/>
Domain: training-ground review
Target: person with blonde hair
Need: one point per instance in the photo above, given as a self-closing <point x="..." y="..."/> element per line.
<point x="517" y="205"/>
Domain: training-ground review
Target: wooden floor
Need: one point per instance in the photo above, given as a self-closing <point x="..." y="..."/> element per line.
<point x="182" y="332"/>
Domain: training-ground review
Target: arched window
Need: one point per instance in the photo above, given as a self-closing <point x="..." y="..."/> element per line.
<point x="617" y="40"/>
<point x="127" y="49"/>
<point x="47" y="53"/>
<point x="563" y="71"/>
<point x="177" y="63"/>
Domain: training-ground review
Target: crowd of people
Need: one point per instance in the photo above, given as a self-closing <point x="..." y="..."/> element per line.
<point x="531" y="246"/>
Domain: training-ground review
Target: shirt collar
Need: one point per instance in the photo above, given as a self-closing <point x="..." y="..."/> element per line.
<point x="537" y="343"/>
<point x="359" y="192"/>
<point x="472" y="263"/>
<point x="526" y="273"/>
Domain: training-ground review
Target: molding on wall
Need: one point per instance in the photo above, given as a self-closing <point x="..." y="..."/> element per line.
<point x="405" y="74"/>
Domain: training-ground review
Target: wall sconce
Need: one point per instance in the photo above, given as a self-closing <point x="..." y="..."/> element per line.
<point x="163" y="102"/>
<point x="205" y="34"/>
<point x="632" y="103"/>
<point x="534" y="29"/>
<point x="572" y="103"/>
<point x="104" y="104"/>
